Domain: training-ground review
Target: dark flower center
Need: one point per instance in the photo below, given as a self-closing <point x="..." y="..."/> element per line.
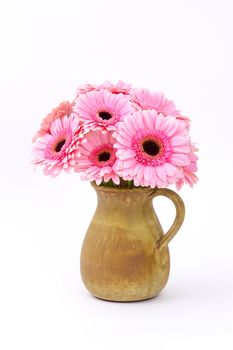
<point x="151" y="147"/>
<point x="104" y="156"/>
<point x="59" y="145"/>
<point x="105" y="115"/>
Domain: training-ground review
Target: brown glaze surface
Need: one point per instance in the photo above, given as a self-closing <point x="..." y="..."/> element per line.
<point x="125" y="255"/>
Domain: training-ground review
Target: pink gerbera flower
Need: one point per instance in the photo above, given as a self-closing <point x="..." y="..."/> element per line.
<point x="57" y="149"/>
<point x="86" y="88"/>
<point x="143" y="99"/>
<point x="119" y="87"/>
<point x="97" y="158"/>
<point x="64" y="108"/>
<point x="102" y="110"/>
<point x="189" y="177"/>
<point x="151" y="149"/>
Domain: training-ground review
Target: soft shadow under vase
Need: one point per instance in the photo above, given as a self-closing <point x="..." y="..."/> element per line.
<point x="125" y="254"/>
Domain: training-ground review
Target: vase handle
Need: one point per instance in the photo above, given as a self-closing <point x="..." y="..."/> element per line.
<point x="180" y="213"/>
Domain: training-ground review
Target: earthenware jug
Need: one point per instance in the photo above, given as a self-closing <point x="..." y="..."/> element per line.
<point x="125" y="254"/>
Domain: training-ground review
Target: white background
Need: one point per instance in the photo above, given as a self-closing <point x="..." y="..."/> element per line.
<point x="47" y="49"/>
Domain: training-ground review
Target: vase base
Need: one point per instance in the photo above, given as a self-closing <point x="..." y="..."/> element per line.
<point x="125" y="301"/>
<point x="128" y="293"/>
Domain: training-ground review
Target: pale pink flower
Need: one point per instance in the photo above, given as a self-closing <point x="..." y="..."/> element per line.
<point x="143" y="99"/>
<point x="64" y="109"/>
<point x="82" y="89"/>
<point x="189" y="177"/>
<point x="102" y="110"/>
<point x="97" y="157"/>
<point x="57" y="149"/>
<point x="119" y="87"/>
<point x="151" y="149"/>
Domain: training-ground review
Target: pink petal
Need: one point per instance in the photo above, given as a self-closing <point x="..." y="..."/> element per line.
<point x="98" y="181"/>
<point x="159" y="122"/>
<point x="128" y="153"/>
<point x="170" y="169"/>
<point x="123" y="141"/>
<point x="129" y="126"/>
<point x="179" y="140"/>
<point x="182" y="149"/>
<point x="149" y="122"/>
<point x="140" y="173"/>
<point x="161" y="173"/>
<point x="140" y="122"/>
<point x="148" y="173"/>
<point x="180" y="159"/>
<point x="129" y="163"/>
<point x="173" y="129"/>
<point x="116" y="179"/>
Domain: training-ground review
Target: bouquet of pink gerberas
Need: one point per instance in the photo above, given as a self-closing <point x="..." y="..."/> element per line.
<point x="119" y="136"/>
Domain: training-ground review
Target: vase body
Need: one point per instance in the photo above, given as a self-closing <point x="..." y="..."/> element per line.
<point x="121" y="257"/>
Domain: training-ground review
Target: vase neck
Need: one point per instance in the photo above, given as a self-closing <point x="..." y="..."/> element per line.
<point x="121" y="197"/>
<point x="124" y="207"/>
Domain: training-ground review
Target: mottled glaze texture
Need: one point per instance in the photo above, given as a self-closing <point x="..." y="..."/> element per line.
<point x="125" y="254"/>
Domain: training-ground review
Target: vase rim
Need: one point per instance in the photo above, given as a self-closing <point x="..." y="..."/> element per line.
<point x="121" y="189"/>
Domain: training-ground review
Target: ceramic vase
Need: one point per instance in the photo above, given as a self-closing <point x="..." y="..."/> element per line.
<point x="125" y="255"/>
